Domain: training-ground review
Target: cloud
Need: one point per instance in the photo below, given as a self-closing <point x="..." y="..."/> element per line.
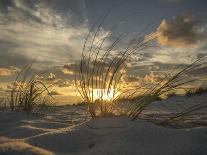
<point x="37" y="30"/>
<point x="33" y="30"/>
<point x="54" y="80"/>
<point x="182" y="40"/>
<point x="8" y="71"/>
<point x="181" y="32"/>
<point x="71" y="68"/>
<point x="74" y="68"/>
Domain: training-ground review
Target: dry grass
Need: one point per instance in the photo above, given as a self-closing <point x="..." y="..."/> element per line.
<point x="28" y="93"/>
<point x="166" y="86"/>
<point x="102" y="67"/>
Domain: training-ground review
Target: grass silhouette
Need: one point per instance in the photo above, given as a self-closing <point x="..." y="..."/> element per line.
<point x="101" y="68"/>
<point x="28" y="93"/>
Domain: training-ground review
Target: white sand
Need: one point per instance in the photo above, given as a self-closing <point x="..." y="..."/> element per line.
<point x="57" y="134"/>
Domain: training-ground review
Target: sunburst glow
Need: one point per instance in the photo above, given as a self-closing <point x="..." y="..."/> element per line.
<point x="100" y="94"/>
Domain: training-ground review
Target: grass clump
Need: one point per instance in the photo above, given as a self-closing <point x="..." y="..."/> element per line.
<point x="166" y="86"/>
<point x="28" y="93"/>
<point x="104" y="64"/>
<point x="101" y="71"/>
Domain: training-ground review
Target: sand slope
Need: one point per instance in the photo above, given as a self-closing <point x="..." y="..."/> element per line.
<point x="58" y="134"/>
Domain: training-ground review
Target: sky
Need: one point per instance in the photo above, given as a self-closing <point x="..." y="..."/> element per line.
<point x="52" y="33"/>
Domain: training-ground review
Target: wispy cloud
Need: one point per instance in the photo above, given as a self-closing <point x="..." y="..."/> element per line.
<point x="35" y="31"/>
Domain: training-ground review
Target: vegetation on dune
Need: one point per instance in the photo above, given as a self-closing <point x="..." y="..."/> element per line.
<point x="28" y="93"/>
<point x="102" y="68"/>
<point x="166" y="86"/>
<point x="99" y="79"/>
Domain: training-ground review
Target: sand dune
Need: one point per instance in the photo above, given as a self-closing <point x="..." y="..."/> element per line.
<point x="63" y="132"/>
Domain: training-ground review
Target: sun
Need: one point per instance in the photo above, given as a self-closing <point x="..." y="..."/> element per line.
<point x="104" y="95"/>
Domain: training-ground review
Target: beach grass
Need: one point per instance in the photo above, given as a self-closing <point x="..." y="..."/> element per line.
<point x="28" y="93"/>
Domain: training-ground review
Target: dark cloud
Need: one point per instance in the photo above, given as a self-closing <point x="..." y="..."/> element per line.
<point x="71" y="69"/>
<point x="74" y="68"/>
<point x="181" y="31"/>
